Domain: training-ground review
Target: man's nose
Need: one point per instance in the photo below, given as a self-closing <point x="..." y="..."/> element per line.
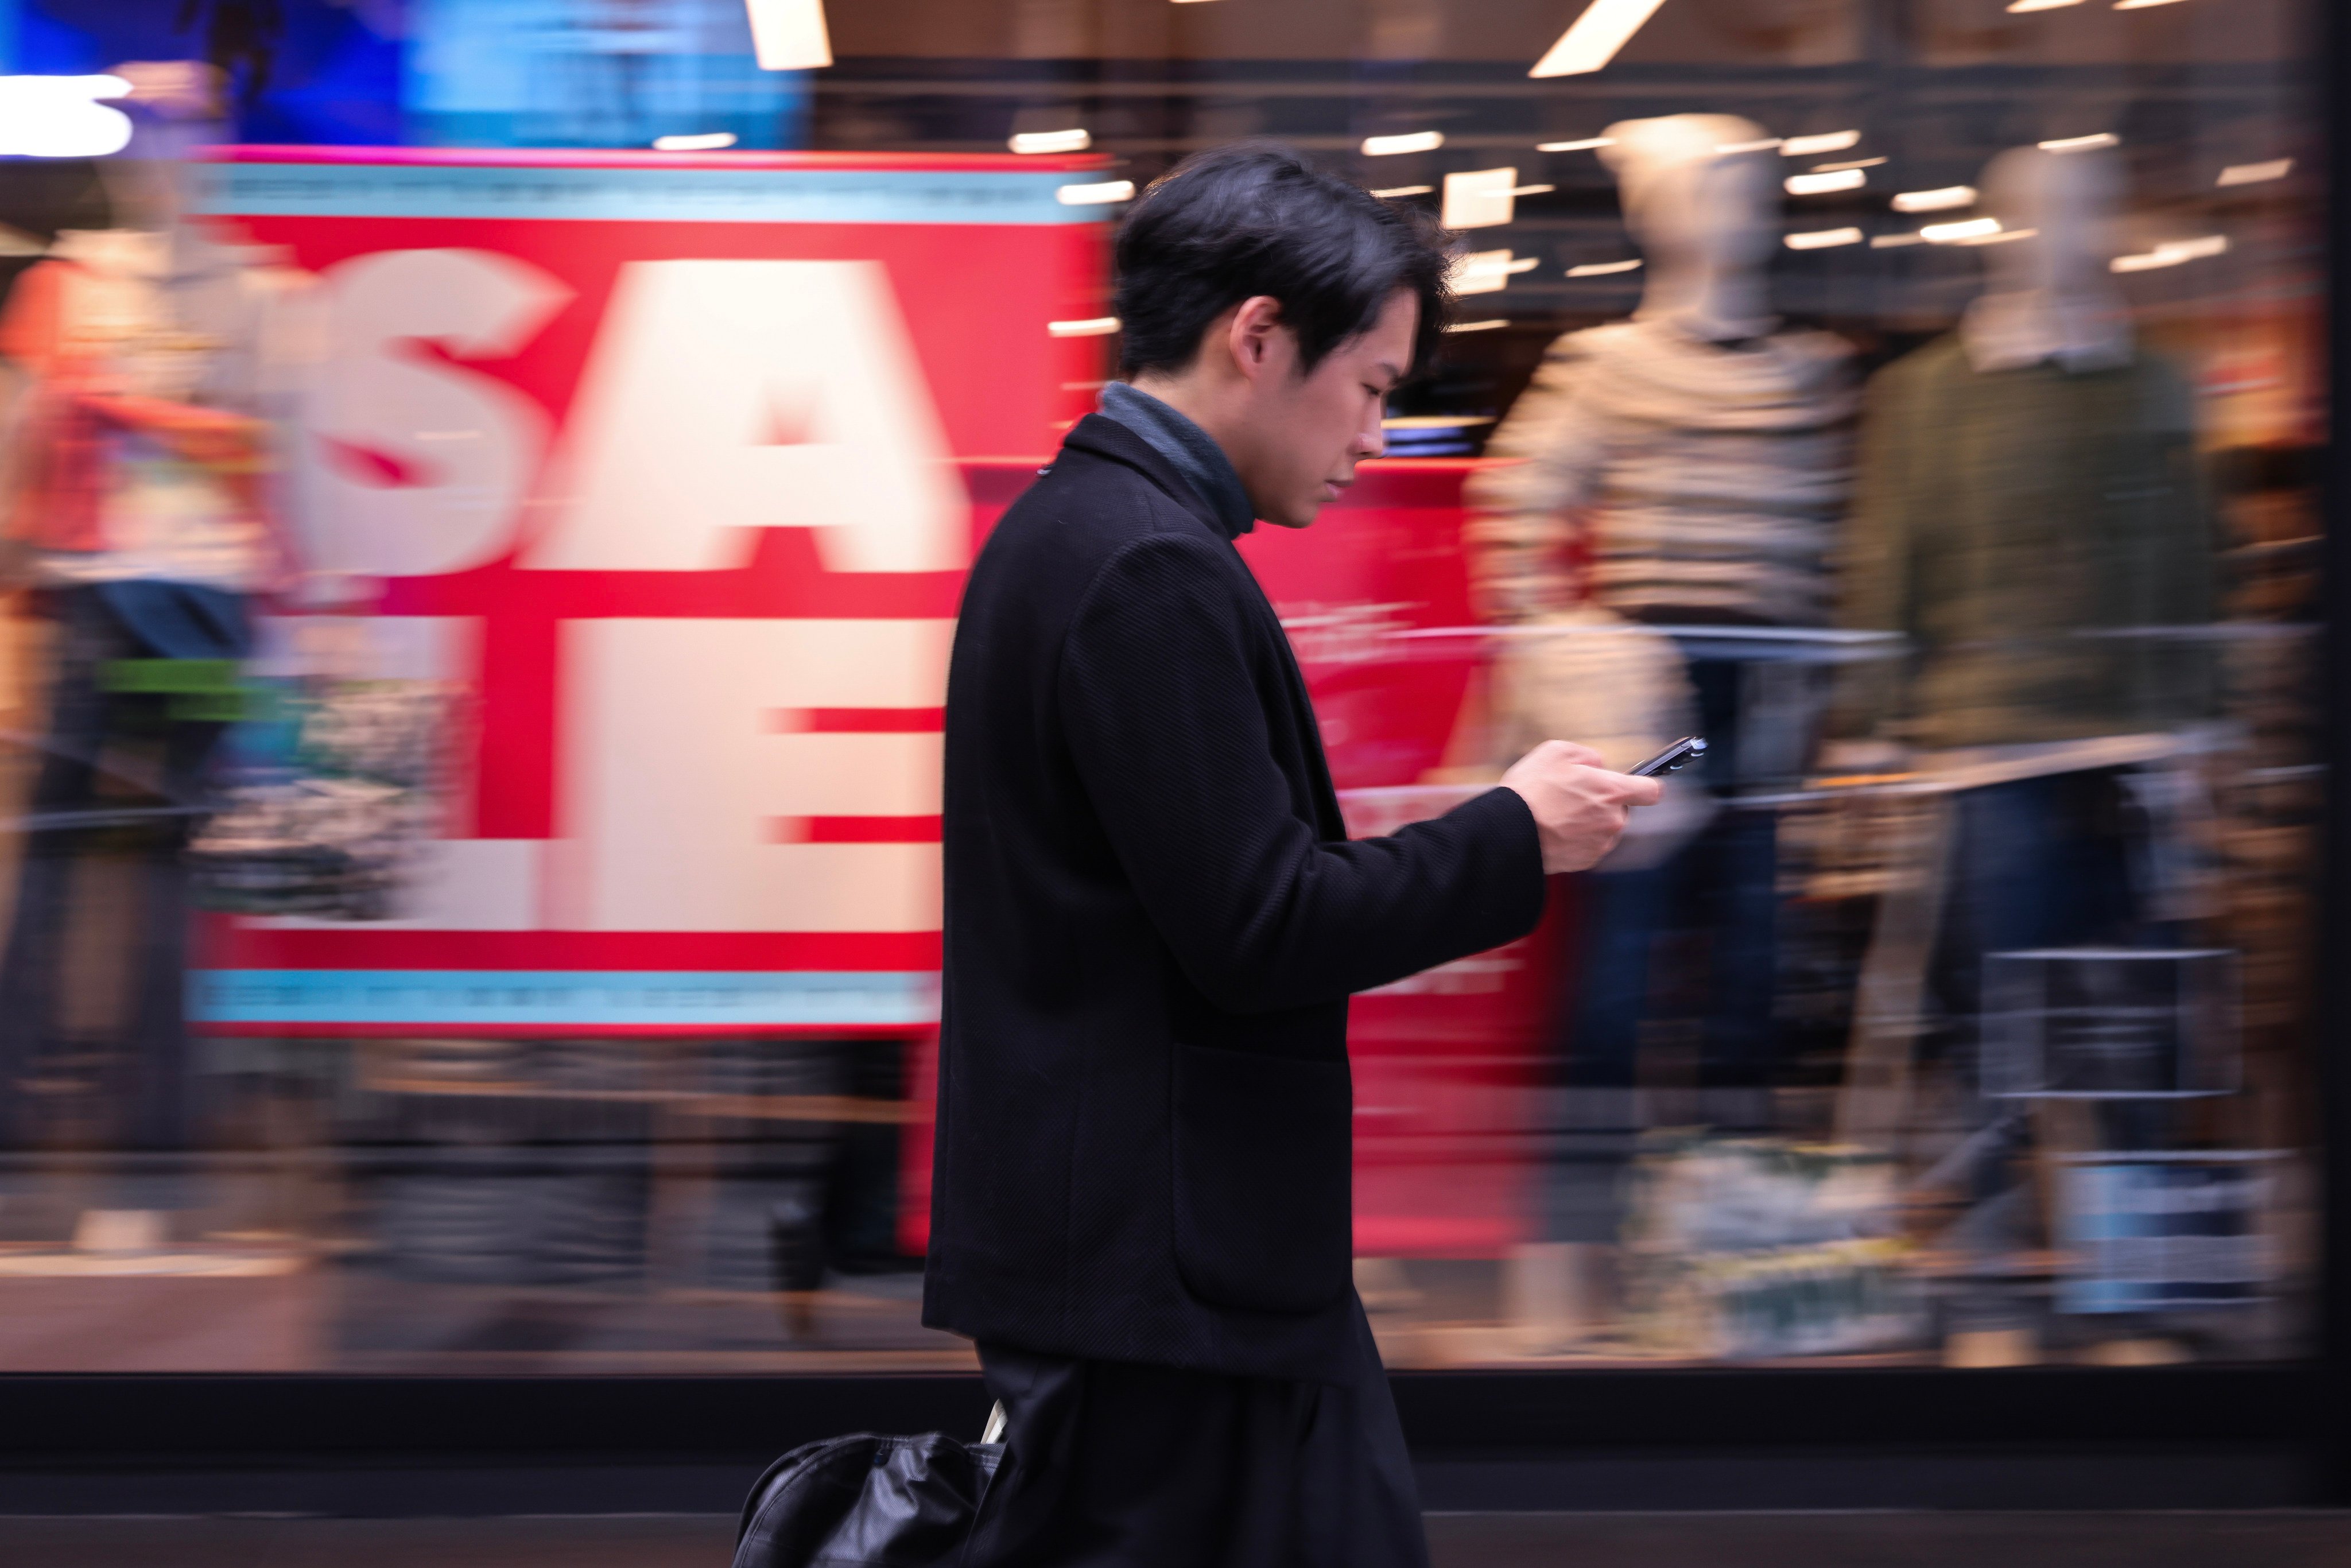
<point x="1372" y="440"/>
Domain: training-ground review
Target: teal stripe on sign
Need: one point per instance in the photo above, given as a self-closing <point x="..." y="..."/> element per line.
<point x="642" y="195"/>
<point x="561" y="997"/>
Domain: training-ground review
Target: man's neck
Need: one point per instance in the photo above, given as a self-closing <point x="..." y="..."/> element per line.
<point x="1202" y="460"/>
<point x="1189" y="396"/>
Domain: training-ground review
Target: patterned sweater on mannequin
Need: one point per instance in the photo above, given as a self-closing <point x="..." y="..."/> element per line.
<point x="1711" y="477"/>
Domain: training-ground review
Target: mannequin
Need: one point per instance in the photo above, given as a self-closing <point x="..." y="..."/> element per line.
<point x="143" y="506"/>
<point x="2030" y="516"/>
<point x="1696" y="456"/>
<point x="1699" y="453"/>
<point x="2027" y="480"/>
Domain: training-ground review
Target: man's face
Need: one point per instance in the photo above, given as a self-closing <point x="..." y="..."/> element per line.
<point x="1306" y="434"/>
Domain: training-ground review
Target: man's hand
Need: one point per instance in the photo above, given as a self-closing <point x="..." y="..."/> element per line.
<point x="1579" y="806"/>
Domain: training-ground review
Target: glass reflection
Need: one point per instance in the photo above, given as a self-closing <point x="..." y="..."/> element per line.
<point x="1935" y="432"/>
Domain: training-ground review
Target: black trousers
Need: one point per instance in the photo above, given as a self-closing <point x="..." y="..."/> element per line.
<point x="1109" y="1463"/>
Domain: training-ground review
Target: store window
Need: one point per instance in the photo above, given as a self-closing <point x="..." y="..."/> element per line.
<point x="1922" y="400"/>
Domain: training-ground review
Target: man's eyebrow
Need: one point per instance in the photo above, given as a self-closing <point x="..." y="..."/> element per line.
<point x="1394" y="375"/>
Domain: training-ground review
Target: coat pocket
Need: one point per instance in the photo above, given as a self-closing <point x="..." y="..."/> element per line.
<point x="1263" y="1180"/>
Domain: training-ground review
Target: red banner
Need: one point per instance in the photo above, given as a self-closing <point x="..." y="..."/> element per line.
<point x="661" y="459"/>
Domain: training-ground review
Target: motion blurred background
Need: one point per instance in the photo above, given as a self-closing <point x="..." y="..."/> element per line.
<point x="488" y="482"/>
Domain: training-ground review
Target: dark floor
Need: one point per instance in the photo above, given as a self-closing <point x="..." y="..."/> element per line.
<point x="2282" y="1539"/>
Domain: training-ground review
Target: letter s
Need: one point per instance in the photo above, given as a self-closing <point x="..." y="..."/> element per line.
<point x="417" y="467"/>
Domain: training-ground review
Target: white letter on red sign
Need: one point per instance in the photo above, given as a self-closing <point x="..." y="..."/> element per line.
<point x="695" y="763"/>
<point x="727" y="396"/>
<point x="421" y="466"/>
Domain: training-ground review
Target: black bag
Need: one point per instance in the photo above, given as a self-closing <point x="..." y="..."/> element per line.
<point x="867" y="1501"/>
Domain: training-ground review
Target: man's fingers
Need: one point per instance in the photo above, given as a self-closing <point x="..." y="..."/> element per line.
<point x="1628" y="791"/>
<point x="1567" y="751"/>
<point x="1643" y="791"/>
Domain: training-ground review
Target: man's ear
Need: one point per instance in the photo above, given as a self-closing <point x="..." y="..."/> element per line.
<point x="1253" y="337"/>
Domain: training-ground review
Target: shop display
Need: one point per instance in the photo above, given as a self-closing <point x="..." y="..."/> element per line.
<point x="565" y="995"/>
<point x="2110" y="1023"/>
<point x="143" y="508"/>
<point x="2151" y="1232"/>
<point x="1747" y="1249"/>
<point x="330" y="802"/>
<point x="1682" y="470"/>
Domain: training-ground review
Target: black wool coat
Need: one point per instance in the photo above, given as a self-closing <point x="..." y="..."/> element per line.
<point x="1154" y="920"/>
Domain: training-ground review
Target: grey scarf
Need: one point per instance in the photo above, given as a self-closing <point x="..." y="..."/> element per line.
<point x="1193" y="451"/>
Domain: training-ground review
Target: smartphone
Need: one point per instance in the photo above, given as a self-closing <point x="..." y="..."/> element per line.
<point x="1689" y="749"/>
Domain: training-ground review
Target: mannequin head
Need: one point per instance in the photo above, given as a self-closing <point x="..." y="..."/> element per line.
<point x="2049" y="292"/>
<point x="2068" y="200"/>
<point x="1707" y="218"/>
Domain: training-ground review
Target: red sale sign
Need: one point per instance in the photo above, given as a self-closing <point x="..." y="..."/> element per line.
<point x="660" y="457"/>
<point x="676" y="464"/>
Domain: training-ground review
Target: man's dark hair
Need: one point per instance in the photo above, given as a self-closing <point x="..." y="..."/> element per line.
<point x="1254" y="218"/>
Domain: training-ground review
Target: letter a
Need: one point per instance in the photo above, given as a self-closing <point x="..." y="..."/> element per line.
<point x="727" y="396"/>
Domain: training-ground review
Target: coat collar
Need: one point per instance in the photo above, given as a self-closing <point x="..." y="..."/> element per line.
<point x="1192" y="450"/>
<point x="1101" y="437"/>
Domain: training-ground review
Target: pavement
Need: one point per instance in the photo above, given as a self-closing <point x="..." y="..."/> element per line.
<point x="1888" y="1540"/>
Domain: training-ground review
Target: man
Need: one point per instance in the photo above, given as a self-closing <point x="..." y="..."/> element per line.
<point x="1140" y="1209"/>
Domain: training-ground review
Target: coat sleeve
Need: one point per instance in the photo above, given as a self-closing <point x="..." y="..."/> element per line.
<point x="1167" y="730"/>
